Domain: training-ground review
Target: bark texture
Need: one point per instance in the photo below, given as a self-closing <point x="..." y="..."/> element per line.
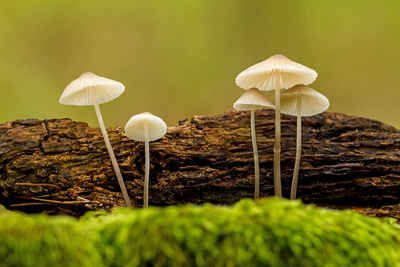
<point x="62" y="167"/>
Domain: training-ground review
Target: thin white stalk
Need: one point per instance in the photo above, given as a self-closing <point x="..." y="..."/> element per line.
<point x="255" y="152"/>
<point x="111" y="153"/>
<point x="277" y="145"/>
<point x="298" y="151"/>
<point x="147" y="169"/>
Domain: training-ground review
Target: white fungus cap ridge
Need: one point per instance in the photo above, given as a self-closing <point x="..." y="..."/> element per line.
<point x="252" y="99"/>
<point x="79" y="92"/>
<point x="276" y="72"/>
<point x="136" y="127"/>
<point x="312" y="102"/>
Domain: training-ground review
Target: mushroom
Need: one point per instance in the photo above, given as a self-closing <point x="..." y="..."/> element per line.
<point x="299" y="101"/>
<point x="253" y="100"/>
<point x="90" y="89"/>
<point x="276" y="73"/>
<point x="145" y="127"/>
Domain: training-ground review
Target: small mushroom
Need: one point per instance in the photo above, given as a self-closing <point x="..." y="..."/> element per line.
<point x="276" y="73"/>
<point x="90" y="89"/>
<point x="253" y="100"/>
<point x="299" y="101"/>
<point x="145" y="127"/>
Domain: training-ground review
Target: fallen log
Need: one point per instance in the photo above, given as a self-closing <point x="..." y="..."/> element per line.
<point x="60" y="166"/>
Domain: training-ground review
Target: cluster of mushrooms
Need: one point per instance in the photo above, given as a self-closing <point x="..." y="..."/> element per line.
<point x="276" y="73"/>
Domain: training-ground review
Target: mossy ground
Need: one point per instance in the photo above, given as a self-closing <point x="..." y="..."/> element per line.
<point x="270" y="232"/>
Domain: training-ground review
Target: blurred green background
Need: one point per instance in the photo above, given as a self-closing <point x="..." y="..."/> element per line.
<point x="179" y="58"/>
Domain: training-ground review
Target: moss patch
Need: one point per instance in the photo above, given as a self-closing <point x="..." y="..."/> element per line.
<point x="270" y="232"/>
<point x="40" y="240"/>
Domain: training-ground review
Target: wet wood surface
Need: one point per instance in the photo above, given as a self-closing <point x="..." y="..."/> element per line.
<point x="60" y="166"/>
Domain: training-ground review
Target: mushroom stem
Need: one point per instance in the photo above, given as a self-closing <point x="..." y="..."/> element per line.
<point x="277" y="145"/>
<point x="255" y="152"/>
<point x="111" y="153"/>
<point x="298" y="151"/>
<point x="147" y="169"/>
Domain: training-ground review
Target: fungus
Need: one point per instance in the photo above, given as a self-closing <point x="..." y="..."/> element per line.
<point x="145" y="127"/>
<point x="299" y="101"/>
<point x="276" y="73"/>
<point x="90" y="89"/>
<point x="253" y="100"/>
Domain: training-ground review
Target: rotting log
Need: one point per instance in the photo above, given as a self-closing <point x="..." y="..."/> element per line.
<point x="62" y="167"/>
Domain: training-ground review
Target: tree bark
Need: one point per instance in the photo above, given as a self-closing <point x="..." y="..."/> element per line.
<point x="62" y="167"/>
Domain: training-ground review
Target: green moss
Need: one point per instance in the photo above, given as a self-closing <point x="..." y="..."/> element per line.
<point x="39" y="240"/>
<point x="271" y="232"/>
<point x="2" y="209"/>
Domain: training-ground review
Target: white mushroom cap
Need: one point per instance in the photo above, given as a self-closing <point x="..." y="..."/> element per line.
<point x="312" y="102"/>
<point x="276" y="72"/>
<point x="252" y="99"/>
<point x="136" y="127"/>
<point x="79" y="92"/>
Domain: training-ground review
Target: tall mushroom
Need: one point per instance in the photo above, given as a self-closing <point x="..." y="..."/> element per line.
<point x="299" y="101"/>
<point x="276" y="73"/>
<point x="145" y="127"/>
<point x="253" y="100"/>
<point x="90" y="89"/>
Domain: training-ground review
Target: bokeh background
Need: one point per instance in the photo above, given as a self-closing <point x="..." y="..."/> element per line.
<point x="178" y="58"/>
